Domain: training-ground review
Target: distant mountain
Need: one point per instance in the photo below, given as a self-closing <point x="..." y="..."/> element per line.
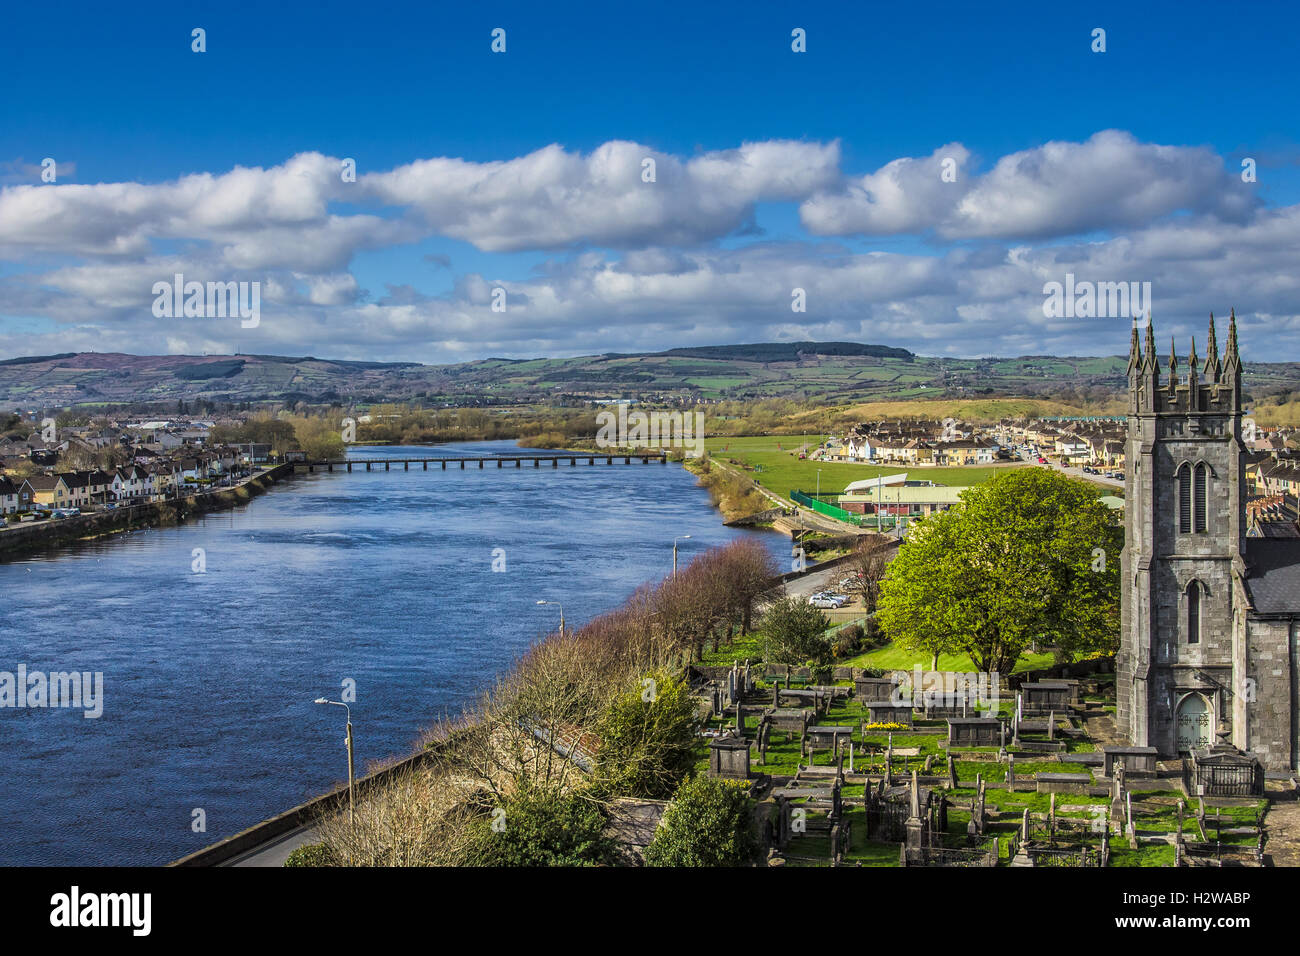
<point x="833" y="372"/>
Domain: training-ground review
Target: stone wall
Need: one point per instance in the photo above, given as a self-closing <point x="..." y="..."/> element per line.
<point x="1272" y="659"/>
<point x="20" y="539"/>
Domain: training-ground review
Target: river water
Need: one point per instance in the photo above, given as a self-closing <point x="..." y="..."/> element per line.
<point x="383" y="578"/>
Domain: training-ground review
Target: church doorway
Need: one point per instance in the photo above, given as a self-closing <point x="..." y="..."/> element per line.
<point x="1194" y="720"/>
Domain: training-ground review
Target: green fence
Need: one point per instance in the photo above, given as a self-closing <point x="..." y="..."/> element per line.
<point x="825" y="507"/>
<point x="821" y="506"/>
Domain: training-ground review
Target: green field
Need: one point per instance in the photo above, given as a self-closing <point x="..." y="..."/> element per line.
<point x="779" y="469"/>
<point x="891" y="657"/>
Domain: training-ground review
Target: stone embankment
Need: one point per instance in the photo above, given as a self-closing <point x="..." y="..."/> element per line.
<point x="20" y="539"/>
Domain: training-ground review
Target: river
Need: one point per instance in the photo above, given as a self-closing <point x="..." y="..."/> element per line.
<point x="382" y="578"/>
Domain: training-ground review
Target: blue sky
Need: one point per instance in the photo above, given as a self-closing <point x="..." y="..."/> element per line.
<point x="116" y="96"/>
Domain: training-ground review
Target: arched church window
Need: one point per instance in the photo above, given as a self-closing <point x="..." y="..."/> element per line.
<point x="1194" y="612"/>
<point x="1201" y="496"/>
<point x="1184" y="480"/>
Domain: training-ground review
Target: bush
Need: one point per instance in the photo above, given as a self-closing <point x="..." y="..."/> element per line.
<point x="313" y="854"/>
<point x="539" y="828"/>
<point x="648" y="738"/>
<point x="708" y="823"/>
<point x="794" y="632"/>
<point x="847" y="642"/>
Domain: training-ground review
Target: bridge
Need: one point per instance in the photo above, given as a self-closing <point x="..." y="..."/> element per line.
<point x="645" y="457"/>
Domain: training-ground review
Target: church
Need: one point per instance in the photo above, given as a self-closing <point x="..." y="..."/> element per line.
<point x="1210" y="618"/>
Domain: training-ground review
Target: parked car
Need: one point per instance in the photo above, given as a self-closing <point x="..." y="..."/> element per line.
<point x="823" y="602"/>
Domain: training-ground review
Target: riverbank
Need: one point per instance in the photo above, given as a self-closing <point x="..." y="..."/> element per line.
<point x="19" y="540"/>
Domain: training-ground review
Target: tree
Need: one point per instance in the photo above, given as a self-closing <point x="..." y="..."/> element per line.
<point x="794" y="632"/>
<point x="870" y="560"/>
<point x="648" y="737"/>
<point x="318" y="438"/>
<point x="1029" y="555"/>
<point x="708" y="823"/>
<point x="541" y="828"/>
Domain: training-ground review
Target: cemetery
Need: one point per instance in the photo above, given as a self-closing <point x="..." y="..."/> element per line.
<point x="861" y="771"/>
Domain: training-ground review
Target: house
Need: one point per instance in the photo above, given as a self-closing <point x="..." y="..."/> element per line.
<point x="78" y="485"/>
<point x="1277" y="477"/>
<point x="1072" y="448"/>
<point x="912" y="499"/>
<point x="163" y="478"/>
<point x="966" y="451"/>
<point x="49" y="491"/>
<point x="8" y="496"/>
<point x="130" y="484"/>
<point x="1274" y="516"/>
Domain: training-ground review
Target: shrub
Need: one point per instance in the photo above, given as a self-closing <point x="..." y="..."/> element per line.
<point x="648" y="738"/>
<point x="539" y="828"/>
<point x="312" y="854"/>
<point x="708" y="823"/>
<point x="847" y="642"/>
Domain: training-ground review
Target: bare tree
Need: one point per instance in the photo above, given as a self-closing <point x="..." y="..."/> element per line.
<point x="871" y="559"/>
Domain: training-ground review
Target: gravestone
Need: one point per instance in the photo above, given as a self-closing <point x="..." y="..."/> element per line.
<point x="729" y="758"/>
<point x="973" y="731"/>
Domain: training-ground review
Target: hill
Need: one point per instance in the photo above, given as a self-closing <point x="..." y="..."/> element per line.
<point x="831" y="373"/>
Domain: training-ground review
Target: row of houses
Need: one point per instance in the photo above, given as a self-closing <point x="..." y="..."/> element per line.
<point x="923" y="442"/>
<point x="1090" y="441"/>
<point x="918" y="443"/>
<point x="130" y="484"/>
<point x="152" y="437"/>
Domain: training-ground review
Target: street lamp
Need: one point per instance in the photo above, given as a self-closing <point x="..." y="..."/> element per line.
<point x="675" y="540"/>
<point x="819" y="482"/>
<point x="561" y="607"/>
<point x="352" y="807"/>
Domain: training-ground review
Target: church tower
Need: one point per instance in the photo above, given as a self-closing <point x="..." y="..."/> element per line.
<point x="1184" y="526"/>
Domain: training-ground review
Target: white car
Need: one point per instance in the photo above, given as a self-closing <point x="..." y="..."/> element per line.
<point x="821" y="601"/>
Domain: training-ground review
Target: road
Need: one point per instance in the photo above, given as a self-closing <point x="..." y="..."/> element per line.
<point x="277" y="851"/>
<point x="1099" y="479"/>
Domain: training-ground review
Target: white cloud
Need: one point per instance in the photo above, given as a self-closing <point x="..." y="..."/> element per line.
<point x="1168" y="215"/>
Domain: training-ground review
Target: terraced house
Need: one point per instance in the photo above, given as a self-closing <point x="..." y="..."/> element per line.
<point x="8" y="496"/>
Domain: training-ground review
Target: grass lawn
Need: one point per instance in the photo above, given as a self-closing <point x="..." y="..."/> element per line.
<point x="774" y="463"/>
<point x="891" y="657"/>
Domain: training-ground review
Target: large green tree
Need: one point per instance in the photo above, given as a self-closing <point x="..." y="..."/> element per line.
<point x="1030" y="555"/>
<point x="794" y="632"/>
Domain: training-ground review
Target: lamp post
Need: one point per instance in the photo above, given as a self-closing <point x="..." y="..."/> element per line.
<point x="352" y="807"/>
<point x="561" y="607"/>
<point x="675" y="540"/>
<point x="819" y="482"/>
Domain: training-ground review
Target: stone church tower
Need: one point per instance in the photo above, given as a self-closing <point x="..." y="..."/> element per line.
<point x="1182" y="648"/>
